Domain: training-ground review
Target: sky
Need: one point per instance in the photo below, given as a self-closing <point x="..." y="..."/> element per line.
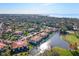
<point x="51" y="9"/>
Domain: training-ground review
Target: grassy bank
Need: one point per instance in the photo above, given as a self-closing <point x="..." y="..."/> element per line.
<point x="70" y="38"/>
<point x="57" y="51"/>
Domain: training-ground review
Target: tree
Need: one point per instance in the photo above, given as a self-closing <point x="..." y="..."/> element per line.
<point x="25" y="33"/>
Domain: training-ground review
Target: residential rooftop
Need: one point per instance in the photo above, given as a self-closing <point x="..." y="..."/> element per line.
<point x="19" y="43"/>
<point x="36" y="38"/>
<point x="2" y="45"/>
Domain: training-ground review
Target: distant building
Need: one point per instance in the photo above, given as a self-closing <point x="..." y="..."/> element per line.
<point x="2" y="46"/>
<point x="31" y="29"/>
<point x="49" y="30"/>
<point x="9" y="30"/>
<point x="1" y="29"/>
<point x="18" y="32"/>
<point x="70" y="32"/>
<point x="74" y="27"/>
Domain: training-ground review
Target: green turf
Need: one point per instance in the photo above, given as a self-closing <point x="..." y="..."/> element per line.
<point x="71" y="38"/>
<point x="62" y="52"/>
<point x="57" y="51"/>
<point x="23" y="54"/>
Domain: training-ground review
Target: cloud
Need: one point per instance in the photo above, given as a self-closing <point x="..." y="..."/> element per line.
<point x="25" y="11"/>
<point x="46" y="4"/>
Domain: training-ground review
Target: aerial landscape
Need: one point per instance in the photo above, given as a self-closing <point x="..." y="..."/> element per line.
<point x="28" y="29"/>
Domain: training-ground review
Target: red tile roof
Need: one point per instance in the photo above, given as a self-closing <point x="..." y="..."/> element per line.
<point x="43" y="34"/>
<point x="19" y="43"/>
<point x="36" y="38"/>
<point x="2" y="45"/>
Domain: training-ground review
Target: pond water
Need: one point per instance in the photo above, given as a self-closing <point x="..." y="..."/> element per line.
<point x="56" y="41"/>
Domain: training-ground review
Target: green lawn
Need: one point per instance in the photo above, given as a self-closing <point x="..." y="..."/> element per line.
<point x="22" y="54"/>
<point x="57" y="51"/>
<point x="71" y="38"/>
<point x="30" y="46"/>
<point x="62" y="52"/>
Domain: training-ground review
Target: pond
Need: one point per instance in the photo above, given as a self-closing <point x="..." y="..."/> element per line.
<point x="56" y="41"/>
